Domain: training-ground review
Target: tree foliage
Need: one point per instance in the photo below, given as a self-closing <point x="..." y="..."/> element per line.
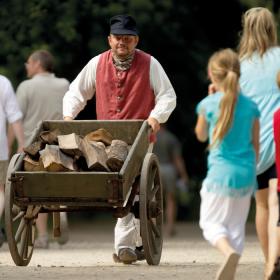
<point x="180" y="34"/>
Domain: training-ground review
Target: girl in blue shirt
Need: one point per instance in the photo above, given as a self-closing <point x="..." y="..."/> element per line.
<point x="230" y="121"/>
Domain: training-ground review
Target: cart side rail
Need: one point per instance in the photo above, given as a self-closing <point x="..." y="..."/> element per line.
<point x="132" y="165"/>
<point x="125" y="130"/>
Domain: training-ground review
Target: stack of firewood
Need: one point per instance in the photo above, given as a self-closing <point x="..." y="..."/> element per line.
<point x="96" y="151"/>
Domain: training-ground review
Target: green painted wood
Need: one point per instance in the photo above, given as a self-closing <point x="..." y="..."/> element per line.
<point x="132" y="165"/>
<point x="67" y="184"/>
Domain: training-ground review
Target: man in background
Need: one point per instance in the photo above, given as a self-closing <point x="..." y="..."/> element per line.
<point x="172" y="169"/>
<point x="40" y="98"/>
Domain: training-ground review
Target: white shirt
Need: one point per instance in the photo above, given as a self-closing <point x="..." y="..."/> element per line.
<point x="258" y="82"/>
<point x="82" y="89"/>
<point x="9" y="110"/>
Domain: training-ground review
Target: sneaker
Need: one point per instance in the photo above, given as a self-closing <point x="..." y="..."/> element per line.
<point x="276" y="271"/>
<point x="227" y="270"/>
<point x="64" y="236"/>
<point x="42" y="242"/>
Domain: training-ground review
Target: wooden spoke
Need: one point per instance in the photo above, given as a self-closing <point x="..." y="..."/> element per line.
<point x="36" y="210"/>
<point x="153" y="241"/>
<point x="25" y="251"/>
<point x="23" y="241"/>
<point x="154" y="191"/>
<point x="154" y="228"/>
<point x="18" y="216"/>
<point x="19" y="230"/>
<point x="19" y="222"/>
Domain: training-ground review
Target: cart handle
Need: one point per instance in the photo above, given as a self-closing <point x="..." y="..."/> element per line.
<point x="152" y="138"/>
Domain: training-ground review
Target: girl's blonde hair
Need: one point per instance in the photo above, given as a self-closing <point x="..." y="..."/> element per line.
<point x="259" y="32"/>
<point x="224" y="69"/>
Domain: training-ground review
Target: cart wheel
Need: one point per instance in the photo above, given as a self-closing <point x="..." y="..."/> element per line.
<point x="19" y="223"/>
<point x="151" y="209"/>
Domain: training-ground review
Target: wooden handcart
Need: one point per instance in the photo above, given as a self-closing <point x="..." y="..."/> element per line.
<point x="29" y="193"/>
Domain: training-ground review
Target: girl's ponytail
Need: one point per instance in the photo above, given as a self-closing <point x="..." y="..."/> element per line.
<point x="225" y="71"/>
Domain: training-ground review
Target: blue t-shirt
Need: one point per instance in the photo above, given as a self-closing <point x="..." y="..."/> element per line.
<point x="258" y="82"/>
<point x="231" y="163"/>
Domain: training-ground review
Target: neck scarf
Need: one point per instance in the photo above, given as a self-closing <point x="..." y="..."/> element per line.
<point x="123" y="64"/>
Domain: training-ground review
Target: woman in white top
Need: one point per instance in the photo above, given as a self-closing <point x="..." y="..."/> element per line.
<point x="9" y="111"/>
<point x="260" y="62"/>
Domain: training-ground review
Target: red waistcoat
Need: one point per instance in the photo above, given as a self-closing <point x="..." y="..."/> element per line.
<point x="124" y="94"/>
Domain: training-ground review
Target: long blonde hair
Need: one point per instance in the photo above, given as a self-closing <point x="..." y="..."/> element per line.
<point x="259" y="32"/>
<point x="224" y="69"/>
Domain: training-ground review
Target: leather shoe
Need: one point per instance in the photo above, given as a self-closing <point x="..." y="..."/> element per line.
<point x="126" y="256"/>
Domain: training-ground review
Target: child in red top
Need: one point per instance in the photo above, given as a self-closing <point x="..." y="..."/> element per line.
<point x="276" y="129"/>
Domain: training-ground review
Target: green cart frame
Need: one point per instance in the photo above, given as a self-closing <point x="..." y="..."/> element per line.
<point x="29" y="193"/>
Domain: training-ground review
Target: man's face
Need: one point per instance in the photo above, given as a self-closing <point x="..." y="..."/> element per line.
<point x="32" y="67"/>
<point x="123" y="45"/>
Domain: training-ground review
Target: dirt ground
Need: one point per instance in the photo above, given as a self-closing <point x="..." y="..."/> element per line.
<point x="88" y="255"/>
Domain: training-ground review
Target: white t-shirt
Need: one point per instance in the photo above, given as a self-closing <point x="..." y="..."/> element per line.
<point x="258" y="82"/>
<point x="9" y="110"/>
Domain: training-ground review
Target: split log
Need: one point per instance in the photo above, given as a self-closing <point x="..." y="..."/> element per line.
<point x="30" y="164"/>
<point x="50" y="137"/>
<point x="34" y="148"/>
<point x="117" y="155"/>
<point x="70" y="144"/>
<point x="54" y="160"/>
<point x="100" y="135"/>
<point x="95" y="156"/>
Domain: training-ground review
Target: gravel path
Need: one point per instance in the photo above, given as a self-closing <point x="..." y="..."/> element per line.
<point x="88" y="255"/>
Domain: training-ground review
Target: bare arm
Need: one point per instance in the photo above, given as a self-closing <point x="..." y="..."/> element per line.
<point x="16" y="131"/>
<point x="180" y="165"/>
<point x="256" y="136"/>
<point x="201" y="128"/>
<point x="154" y="123"/>
<point x="11" y="137"/>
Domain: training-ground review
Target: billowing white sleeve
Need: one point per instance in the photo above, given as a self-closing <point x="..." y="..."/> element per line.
<point x="80" y="90"/>
<point x="165" y="97"/>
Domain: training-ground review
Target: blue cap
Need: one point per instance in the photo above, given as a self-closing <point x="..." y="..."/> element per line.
<point x="123" y="25"/>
